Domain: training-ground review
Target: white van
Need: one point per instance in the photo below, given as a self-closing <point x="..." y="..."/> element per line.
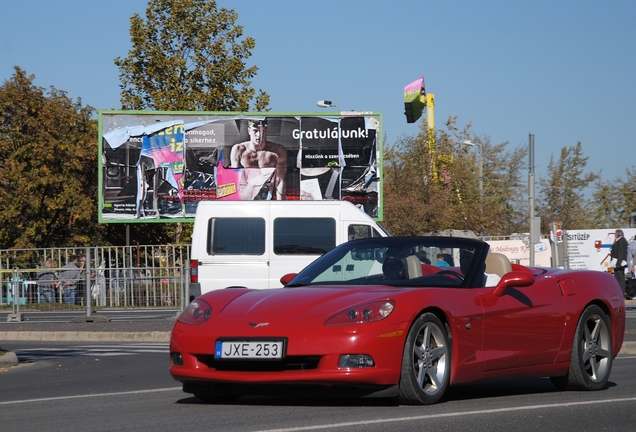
<point x="254" y="243"/>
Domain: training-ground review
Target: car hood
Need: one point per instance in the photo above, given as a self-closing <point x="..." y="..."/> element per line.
<point x="286" y="303"/>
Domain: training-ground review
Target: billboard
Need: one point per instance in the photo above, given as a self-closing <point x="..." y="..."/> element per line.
<point x="590" y="249"/>
<point x="156" y="166"/>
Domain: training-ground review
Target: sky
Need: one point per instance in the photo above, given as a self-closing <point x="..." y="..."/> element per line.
<point x="561" y="70"/>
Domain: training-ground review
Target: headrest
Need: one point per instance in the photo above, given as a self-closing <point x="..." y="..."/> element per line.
<point x="498" y="263"/>
<point x="413" y="267"/>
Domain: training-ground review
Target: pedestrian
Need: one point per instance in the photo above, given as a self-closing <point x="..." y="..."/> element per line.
<point x="447" y="257"/>
<point x="631" y="251"/>
<point x="441" y="262"/>
<point x="47" y="282"/>
<point x="69" y="277"/>
<point x="618" y="261"/>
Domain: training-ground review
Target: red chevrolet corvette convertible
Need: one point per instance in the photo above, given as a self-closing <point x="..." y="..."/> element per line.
<point x="401" y="318"/>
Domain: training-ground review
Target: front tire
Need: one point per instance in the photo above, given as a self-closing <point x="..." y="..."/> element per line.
<point x="591" y="360"/>
<point x="425" y="362"/>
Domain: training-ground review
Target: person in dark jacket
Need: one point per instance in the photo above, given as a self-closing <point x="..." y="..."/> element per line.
<point x="47" y="283"/>
<point x="68" y="277"/>
<point x="618" y="257"/>
<point x="447" y="257"/>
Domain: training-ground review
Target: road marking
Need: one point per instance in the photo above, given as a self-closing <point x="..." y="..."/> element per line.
<point x="447" y="415"/>
<point x="167" y="389"/>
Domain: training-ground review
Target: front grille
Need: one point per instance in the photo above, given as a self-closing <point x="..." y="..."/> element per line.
<point x="288" y="363"/>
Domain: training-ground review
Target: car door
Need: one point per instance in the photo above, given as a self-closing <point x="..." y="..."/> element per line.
<point x="523" y="327"/>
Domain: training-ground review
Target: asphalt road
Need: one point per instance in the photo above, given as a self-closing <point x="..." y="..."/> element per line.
<point x="126" y="387"/>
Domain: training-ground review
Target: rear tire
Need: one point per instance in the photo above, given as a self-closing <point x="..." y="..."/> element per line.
<point x="426" y="362"/>
<point x="591" y="359"/>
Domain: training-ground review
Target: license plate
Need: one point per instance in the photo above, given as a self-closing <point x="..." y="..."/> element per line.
<point x="248" y="350"/>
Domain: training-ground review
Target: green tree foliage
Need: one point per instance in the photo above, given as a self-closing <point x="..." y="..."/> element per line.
<point x="48" y="168"/>
<point x="410" y="194"/>
<point x="187" y="56"/>
<point x="614" y="202"/>
<point x="562" y="193"/>
<point x="419" y="200"/>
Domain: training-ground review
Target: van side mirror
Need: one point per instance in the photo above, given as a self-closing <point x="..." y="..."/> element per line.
<point x="513" y="279"/>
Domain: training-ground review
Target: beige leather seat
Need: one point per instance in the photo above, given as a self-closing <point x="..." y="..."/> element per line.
<point x="498" y="263"/>
<point x="413" y="267"/>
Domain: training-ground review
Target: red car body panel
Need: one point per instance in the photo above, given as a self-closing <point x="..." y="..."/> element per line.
<point x="525" y="332"/>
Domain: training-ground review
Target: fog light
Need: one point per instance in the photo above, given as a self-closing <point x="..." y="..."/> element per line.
<point x="355" y="361"/>
<point x="177" y="359"/>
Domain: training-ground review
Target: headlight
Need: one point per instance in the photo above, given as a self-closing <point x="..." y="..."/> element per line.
<point x="197" y="313"/>
<point x="361" y="314"/>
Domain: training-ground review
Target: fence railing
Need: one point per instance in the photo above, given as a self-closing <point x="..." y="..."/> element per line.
<point x="118" y="277"/>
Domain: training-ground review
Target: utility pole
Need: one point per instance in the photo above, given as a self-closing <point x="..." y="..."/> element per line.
<point x="531" y="220"/>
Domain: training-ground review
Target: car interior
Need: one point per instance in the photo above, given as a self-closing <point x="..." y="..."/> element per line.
<point x="413" y="267"/>
<point x="498" y="263"/>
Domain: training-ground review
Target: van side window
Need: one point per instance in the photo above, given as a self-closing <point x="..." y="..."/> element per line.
<point x="362" y="231"/>
<point x="236" y="236"/>
<point x="304" y="236"/>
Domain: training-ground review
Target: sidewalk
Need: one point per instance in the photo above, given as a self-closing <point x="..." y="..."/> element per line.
<point x="114" y="331"/>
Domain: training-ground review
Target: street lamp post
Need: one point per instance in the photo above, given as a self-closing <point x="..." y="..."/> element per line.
<point x="481" y="165"/>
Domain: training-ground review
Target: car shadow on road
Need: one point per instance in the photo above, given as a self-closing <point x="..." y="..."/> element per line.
<point x="505" y="388"/>
<point x="459" y="392"/>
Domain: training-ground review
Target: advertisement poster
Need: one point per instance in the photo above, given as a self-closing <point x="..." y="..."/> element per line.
<point x="519" y="253"/>
<point x="590" y="249"/>
<point x="157" y="166"/>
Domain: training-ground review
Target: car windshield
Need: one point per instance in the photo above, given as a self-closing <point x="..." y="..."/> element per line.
<point x="400" y="261"/>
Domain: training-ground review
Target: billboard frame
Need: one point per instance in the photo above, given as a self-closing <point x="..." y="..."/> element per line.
<point x="129" y="169"/>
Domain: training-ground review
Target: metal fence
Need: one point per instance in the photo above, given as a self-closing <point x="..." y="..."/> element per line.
<point x="117" y="277"/>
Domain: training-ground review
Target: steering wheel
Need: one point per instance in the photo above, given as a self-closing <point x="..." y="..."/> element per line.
<point x="452" y="273"/>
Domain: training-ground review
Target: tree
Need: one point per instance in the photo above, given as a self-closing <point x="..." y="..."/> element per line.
<point x="48" y="167"/>
<point x="562" y="193"/>
<point x="187" y="56"/>
<point x="409" y="192"/>
<point x="501" y="208"/>
<point x="418" y="200"/>
<point x="614" y="202"/>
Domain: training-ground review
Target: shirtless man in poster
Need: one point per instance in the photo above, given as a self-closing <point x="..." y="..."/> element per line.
<point x="260" y="153"/>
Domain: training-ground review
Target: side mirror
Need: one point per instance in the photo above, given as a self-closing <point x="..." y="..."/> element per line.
<point x="513" y="279"/>
<point x="287" y="278"/>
